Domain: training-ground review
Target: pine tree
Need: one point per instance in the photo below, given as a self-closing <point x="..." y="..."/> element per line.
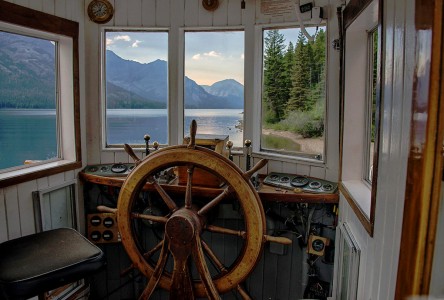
<point x="300" y="93"/>
<point x="289" y="61"/>
<point x="274" y="98"/>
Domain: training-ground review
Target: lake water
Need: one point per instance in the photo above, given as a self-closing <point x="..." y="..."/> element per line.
<point x="31" y="134"/>
<point x="130" y="125"/>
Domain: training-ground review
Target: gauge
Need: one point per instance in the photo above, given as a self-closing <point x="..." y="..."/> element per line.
<point x="104" y="169"/>
<point x="95" y="221"/>
<point x="118" y="168"/>
<point x="285" y="179"/>
<point x="93" y="169"/>
<point x="108" y="235"/>
<point x="317" y="245"/>
<point x="274" y="177"/>
<point x="327" y="187"/>
<point x="108" y="222"/>
<point x="299" y="181"/>
<point x="314" y="184"/>
<point x="95" y="236"/>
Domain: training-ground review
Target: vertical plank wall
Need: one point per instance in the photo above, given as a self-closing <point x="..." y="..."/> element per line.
<point x="16" y="206"/>
<point x="380" y="253"/>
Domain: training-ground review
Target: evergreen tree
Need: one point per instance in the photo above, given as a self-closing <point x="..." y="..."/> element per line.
<point x="274" y="98"/>
<point x="300" y="93"/>
<point x="289" y="60"/>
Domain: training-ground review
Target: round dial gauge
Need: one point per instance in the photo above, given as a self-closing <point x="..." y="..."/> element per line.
<point x="210" y="4"/>
<point x="318" y="245"/>
<point x="118" y="168"/>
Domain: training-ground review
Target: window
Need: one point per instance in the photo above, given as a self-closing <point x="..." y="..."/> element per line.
<point x="39" y="95"/>
<point x="213" y="83"/>
<point x="371" y="108"/>
<point x="136" y="86"/>
<point x="27" y="100"/>
<point x="293" y="92"/>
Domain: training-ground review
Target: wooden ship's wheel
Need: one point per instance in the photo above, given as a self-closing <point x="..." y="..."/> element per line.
<point x="185" y="223"/>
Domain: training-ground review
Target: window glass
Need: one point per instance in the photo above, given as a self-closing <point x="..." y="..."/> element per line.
<point x="213" y="87"/>
<point x="28" y="122"/>
<point x="293" y="92"/>
<point x="371" y="109"/>
<point x="136" y="72"/>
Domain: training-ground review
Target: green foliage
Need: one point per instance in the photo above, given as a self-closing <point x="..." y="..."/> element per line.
<point x="294" y="84"/>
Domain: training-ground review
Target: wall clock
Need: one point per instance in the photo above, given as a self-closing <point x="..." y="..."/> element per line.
<point x="210" y="4"/>
<point x="100" y="11"/>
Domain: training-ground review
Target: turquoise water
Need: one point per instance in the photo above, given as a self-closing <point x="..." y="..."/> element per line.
<point x="27" y="134"/>
<point x="31" y="134"/>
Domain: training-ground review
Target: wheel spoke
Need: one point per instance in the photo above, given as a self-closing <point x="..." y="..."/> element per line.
<point x="214" y="202"/>
<point x="218" y="229"/>
<point x="204" y="273"/>
<point x="214" y="258"/>
<point x="154" y="279"/>
<point x="165" y="197"/>
<point x="188" y="200"/>
<point x="157" y="219"/>
<point x="223" y="270"/>
<point x="150" y="253"/>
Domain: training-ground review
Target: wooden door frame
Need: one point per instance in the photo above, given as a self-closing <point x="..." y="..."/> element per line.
<point x="424" y="170"/>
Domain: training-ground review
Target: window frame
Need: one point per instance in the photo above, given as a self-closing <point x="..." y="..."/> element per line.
<point x="256" y="124"/>
<point x="104" y="29"/>
<point x="25" y="21"/>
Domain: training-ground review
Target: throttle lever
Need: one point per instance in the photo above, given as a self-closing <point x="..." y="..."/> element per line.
<point x="131" y="153"/>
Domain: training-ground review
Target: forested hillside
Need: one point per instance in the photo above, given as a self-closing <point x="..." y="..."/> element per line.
<point x="294" y="83"/>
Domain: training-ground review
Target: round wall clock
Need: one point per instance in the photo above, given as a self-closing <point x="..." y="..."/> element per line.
<point x="100" y="11"/>
<point x="210" y="4"/>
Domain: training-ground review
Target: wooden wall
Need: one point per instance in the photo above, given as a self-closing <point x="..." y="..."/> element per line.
<point x="16" y="206"/>
<point x="380" y="254"/>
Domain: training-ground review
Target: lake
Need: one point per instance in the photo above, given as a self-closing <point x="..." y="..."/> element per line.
<point x="31" y="134"/>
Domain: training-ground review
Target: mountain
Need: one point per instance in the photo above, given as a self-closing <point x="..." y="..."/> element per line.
<point x="228" y="88"/>
<point x="27" y="72"/>
<point x="150" y="80"/>
<point x="27" y="80"/>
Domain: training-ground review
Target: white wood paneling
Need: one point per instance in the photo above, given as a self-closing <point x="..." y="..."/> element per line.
<point x="26" y="207"/>
<point x="121" y="13"/>
<point x="3" y="221"/>
<point x="191" y="13"/>
<point x="148" y="13"/>
<point x="12" y="212"/>
<point x="134" y="12"/>
<point x="163" y="12"/>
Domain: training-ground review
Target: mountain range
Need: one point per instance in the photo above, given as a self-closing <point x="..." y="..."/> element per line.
<point x="27" y="80"/>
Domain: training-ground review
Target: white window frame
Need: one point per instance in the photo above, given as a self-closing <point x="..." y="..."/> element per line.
<point x="65" y="110"/>
<point x="256" y="124"/>
<point x="114" y="147"/>
<point x="181" y="78"/>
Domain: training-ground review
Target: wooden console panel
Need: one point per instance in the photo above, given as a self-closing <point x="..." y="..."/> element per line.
<point x="266" y="192"/>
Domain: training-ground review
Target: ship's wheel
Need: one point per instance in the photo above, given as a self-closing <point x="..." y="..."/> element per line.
<point x="186" y="221"/>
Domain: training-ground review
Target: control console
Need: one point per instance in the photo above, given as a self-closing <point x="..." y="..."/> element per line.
<point x="110" y="170"/>
<point x="299" y="183"/>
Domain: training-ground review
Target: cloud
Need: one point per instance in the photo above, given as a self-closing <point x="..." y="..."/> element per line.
<point x="136" y="44"/>
<point x="242" y="56"/>
<point x="109" y="42"/>
<point x="212" y="54"/>
<point x="125" y="38"/>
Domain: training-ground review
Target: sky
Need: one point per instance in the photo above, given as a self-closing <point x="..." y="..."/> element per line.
<point x="209" y="56"/>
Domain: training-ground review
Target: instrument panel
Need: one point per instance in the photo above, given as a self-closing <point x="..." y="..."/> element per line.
<point x="299" y="183"/>
<point x="110" y="170"/>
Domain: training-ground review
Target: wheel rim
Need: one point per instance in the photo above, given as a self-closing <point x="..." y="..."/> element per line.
<point x="214" y="163"/>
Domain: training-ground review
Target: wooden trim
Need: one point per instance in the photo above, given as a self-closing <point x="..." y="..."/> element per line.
<point x="38" y="174"/>
<point x="366" y="223"/>
<point x="23" y="16"/>
<point x="353" y="9"/>
<point x="266" y="193"/>
<point x="425" y="159"/>
<point x="33" y="19"/>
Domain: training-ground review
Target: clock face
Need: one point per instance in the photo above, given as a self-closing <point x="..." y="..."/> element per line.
<point x="100" y="11"/>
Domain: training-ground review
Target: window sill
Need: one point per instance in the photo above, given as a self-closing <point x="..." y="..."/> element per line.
<point x="33" y="172"/>
<point x="358" y="195"/>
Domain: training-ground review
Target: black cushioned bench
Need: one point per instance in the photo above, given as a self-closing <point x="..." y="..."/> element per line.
<point x="40" y="262"/>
